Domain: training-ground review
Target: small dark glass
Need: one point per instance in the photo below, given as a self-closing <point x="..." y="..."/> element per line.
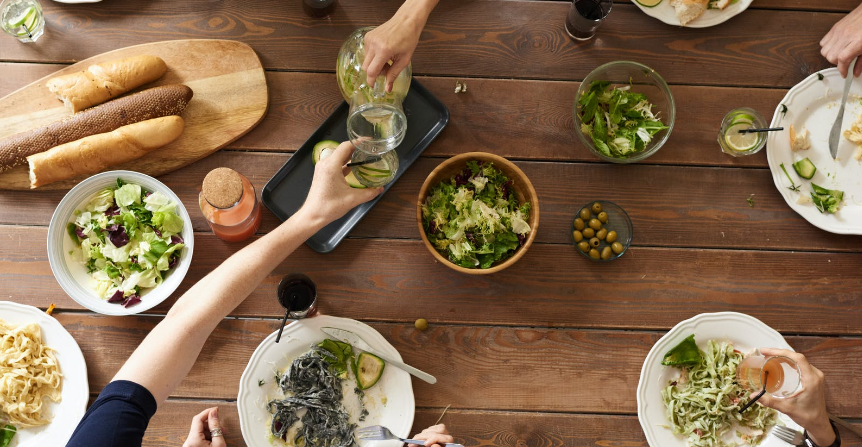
<point x="585" y="16"/>
<point x="318" y="8"/>
<point x="297" y="294"/>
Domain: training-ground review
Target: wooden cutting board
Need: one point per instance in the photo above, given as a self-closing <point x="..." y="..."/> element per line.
<point x="230" y="98"/>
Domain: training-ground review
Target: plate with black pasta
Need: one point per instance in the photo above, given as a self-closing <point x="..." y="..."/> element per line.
<point x="304" y="392"/>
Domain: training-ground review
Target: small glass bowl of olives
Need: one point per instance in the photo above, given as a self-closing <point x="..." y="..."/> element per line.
<point x="602" y="231"/>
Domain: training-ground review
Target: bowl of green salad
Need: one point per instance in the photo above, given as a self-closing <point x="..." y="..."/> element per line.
<point x="624" y="112"/>
<point x="477" y="213"/>
<point x="120" y="243"/>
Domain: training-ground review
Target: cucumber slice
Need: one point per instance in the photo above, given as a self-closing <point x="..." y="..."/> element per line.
<point x="322" y="150"/>
<point x="805" y="168"/>
<point x="648" y="3"/>
<point x="368" y="369"/>
<point x="30" y="21"/>
<point x="21" y="18"/>
<point x="353" y="182"/>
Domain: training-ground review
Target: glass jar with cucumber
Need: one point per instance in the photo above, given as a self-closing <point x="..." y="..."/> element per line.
<point x="736" y="143"/>
<point x="22" y="19"/>
<point x="366" y="170"/>
<point x="376" y="122"/>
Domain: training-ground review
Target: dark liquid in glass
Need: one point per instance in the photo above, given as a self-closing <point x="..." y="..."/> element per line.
<point x="318" y="8"/>
<point x="296" y="293"/>
<point x="585" y="17"/>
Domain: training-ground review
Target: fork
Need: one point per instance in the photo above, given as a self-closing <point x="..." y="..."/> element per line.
<point x="789" y="435"/>
<point x="381" y="433"/>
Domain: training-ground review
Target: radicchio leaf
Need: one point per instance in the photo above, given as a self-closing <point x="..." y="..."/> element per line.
<point x="112" y="211"/>
<point x="177" y="239"/>
<point x="80" y="232"/>
<point x="117" y="297"/>
<point x="118" y="235"/>
<point x="132" y="300"/>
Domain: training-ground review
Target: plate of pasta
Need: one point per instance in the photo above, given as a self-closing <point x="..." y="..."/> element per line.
<point x="43" y="378"/>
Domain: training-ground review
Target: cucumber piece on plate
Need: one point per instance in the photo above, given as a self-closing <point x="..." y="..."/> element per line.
<point x="648" y="3"/>
<point x="368" y="369"/>
<point x="805" y="168"/>
<point x="322" y="150"/>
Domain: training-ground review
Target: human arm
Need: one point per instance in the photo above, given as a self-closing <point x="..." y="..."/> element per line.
<point x="434" y="436"/>
<point x="843" y="42"/>
<point x="167" y="354"/>
<point x="808" y="407"/>
<point x="395" y="41"/>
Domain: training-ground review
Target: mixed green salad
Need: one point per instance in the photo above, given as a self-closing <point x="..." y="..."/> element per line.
<point x="620" y="122"/>
<point x="703" y="402"/>
<point x="474" y="217"/>
<point x="129" y="239"/>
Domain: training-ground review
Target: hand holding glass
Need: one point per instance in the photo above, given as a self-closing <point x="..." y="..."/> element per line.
<point x="783" y="379"/>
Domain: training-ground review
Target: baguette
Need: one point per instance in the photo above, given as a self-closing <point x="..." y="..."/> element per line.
<point x="151" y="103"/>
<point x="97" y="152"/>
<point x="107" y="80"/>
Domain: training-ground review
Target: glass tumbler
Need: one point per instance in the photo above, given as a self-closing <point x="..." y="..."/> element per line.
<point x="22" y="19"/>
<point x="585" y="17"/>
<point x="781" y="374"/>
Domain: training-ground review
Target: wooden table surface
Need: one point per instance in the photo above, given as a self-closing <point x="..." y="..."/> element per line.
<point x="548" y="352"/>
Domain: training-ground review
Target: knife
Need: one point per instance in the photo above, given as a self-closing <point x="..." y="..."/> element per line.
<point x="835" y="134"/>
<point x="357" y="342"/>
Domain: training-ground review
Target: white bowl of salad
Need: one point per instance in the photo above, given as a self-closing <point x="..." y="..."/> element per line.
<point x="120" y="243"/>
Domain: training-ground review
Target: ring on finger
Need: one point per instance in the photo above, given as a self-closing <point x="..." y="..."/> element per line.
<point x="216" y="432"/>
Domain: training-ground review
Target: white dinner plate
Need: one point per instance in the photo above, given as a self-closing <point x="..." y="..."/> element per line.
<point x="389" y="402"/>
<point x="711" y="17"/>
<point x="813" y="104"/>
<point x="65" y="414"/>
<point x="744" y="331"/>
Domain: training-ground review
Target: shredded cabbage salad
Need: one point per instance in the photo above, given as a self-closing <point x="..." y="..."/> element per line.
<point x="474" y="217"/>
<point x="703" y="404"/>
<point x="129" y="239"/>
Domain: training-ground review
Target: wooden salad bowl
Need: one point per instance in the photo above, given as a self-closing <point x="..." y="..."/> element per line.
<point x="524" y="191"/>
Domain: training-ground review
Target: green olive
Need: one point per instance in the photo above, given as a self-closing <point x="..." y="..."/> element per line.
<point x="597" y="208"/>
<point x="589" y="232"/>
<point x="579" y="224"/>
<point x="595" y="224"/>
<point x="602" y="234"/>
<point x="594" y="254"/>
<point x="612" y="237"/>
<point x="603" y="217"/>
<point x="584" y="246"/>
<point x="595" y="242"/>
<point x="578" y="236"/>
<point x="421" y="324"/>
<point x="584" y="214"/>
<point x="617" y="247"/>
<point x="606" y="252"/>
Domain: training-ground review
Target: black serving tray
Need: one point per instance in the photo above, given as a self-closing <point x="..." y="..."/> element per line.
<point x="286" y="191"/>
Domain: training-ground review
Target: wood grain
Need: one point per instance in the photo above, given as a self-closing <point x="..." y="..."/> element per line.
<point x="553" y="286"/>
<point x="523" y="39"/>
<point x="514" y="118"/>
<point x="230" y="98"/>
<point x="797" y="5"/>
<point x="669" y="206"/>
<point x="480" y="368"/>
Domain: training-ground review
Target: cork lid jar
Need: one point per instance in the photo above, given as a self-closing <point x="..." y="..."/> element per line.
<point x="222" y="188"/>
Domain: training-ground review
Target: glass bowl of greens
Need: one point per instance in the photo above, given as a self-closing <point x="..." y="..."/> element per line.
<point x="624" y="112"/>
<point x="602" y="231"/>
<point x="477" y="213"/>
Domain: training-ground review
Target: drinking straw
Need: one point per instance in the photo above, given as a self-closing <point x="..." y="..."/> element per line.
<point x="759" y="395"/>
<point x="365" y="162"/>
<point x="768" y="129"/>
<point x="283" y="322"/>
<point x="27" y="31"/>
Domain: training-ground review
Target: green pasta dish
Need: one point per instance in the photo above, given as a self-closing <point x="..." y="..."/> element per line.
<point x="703" y="403"/>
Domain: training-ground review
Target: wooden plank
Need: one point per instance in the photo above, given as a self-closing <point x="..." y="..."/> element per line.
<point x="483" y="368"/>
<point x="552" y="285"/>
<point x="669" y="207"/>
<point x="479" y="38"/>
<point x="230" y="98"/>
<point x="515" y="118"/>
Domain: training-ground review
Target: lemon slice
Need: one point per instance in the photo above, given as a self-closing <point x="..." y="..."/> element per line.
<point x="648" y="3"/>
<point x="741" y="142"/>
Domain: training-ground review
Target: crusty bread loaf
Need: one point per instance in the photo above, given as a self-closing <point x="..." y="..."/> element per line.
<point x="97" y="152"/>
<point x="107" y="80"/>
<point x="688" y="10"/>
<point x="151" y="103"/>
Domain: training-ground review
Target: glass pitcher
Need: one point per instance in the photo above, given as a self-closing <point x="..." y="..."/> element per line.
<point x="376" y="122"/>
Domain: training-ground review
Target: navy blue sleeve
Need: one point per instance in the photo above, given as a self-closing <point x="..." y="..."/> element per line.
<point x="118" y="418"/>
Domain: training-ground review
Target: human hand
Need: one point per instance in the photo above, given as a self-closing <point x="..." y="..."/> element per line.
<point x="843" y="42"/>
<point x="434" y="436"/>
<point x="330" y="197"/>
<point x="203" y="426"/>
<point x="395" y="41"/>
<point x="808" y="406"/>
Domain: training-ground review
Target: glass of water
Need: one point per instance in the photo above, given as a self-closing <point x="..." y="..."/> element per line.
<point x="585" y="16"/>
<point x="376" y="124"/>
<point x="22" y="19"/>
